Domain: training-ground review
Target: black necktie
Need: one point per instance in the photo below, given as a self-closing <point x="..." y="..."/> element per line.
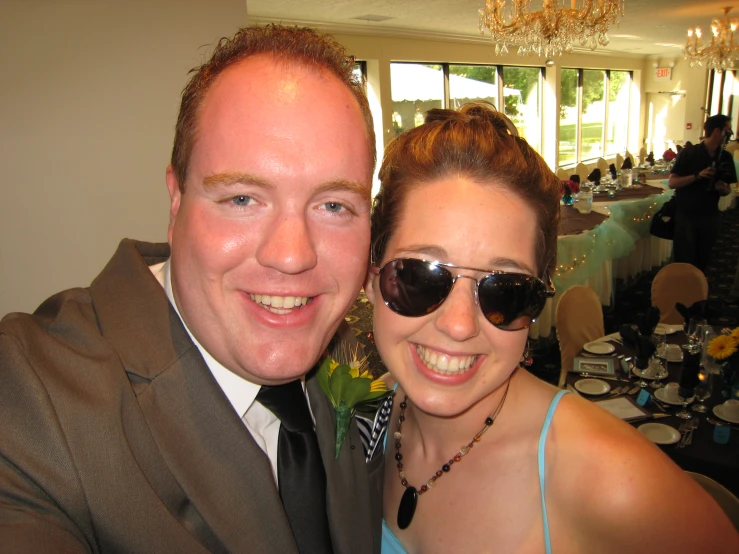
<point x="300" y="472"/>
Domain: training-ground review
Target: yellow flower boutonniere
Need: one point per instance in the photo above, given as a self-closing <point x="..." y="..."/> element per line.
<point x="347" y="384"/>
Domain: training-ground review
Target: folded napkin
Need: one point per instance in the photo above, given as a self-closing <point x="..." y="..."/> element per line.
<point x="612" y="169"/>
<point x="650" y="158"/>
<point x="575" y="178"/>
<point x="627" y="164"/>
<point x="648" y="322"/>
<point x="629" y="335"/>
<point x="689" y="371"/>
<point x="688" y="312"/>
<point x="644" y="350"/>
<point x="594" y="176"/>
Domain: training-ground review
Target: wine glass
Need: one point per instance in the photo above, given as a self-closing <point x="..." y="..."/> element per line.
<point x="642" y="372"/>
<point x="686" y="396"/>
<point x="660" y="343"/>
<point x="695" y="326"/>
<point x="657" y="371"/>
<point x="703" y="390"/>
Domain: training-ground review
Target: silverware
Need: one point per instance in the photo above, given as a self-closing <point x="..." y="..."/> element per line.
<point x="689" y="427"/>
<point x="597" y="376"/>
<point x="683" y="429"/>
<point x="657" y="416"/>
<point x="634" y="390"/>
<point x="721" y="423"/>
<point x="694" y="426"/>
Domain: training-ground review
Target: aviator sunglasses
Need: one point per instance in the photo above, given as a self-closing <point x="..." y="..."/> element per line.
<point x="413" y="288"/>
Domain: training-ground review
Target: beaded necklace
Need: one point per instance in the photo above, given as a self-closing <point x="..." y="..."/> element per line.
<point x="409" y="500"/>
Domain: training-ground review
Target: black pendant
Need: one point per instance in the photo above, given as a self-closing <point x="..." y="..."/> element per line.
<point x="407" y="507"/>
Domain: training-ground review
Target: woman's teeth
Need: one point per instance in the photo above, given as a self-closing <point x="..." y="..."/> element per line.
<point x="444" y="363"/>
<point x="279" y="304"/>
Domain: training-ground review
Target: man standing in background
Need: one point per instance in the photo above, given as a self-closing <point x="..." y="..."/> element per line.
<point x="702" y="173"/>
<point x="133" y="416"/>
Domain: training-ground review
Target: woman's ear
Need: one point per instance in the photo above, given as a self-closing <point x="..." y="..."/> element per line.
<point x="369" y="285"/>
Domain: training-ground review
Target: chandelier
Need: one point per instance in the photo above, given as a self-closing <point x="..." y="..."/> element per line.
<point x="552" y="30"/>
<point x="721" y="53"/>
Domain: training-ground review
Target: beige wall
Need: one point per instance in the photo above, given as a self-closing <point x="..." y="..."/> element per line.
<point x="88" y="102"/>
<point x="680" y="109"/>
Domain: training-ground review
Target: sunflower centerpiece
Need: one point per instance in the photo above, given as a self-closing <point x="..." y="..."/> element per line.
<point x="725" y="350"/>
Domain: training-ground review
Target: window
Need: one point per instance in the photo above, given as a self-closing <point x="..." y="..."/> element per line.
<point x="416" y="88"/>
<point x="522" y="101"/>
<point x="589" y="126"/>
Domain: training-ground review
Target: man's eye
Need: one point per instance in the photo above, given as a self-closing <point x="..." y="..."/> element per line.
<point x="334" y="207"/>
<point x="241" y="200"/>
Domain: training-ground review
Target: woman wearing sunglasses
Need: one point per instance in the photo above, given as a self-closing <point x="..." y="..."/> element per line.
<point x="481" y="456"/>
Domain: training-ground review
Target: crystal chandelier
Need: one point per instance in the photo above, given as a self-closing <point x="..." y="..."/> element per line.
<point x="721" y="53"/>
<point x="553" y="29"/>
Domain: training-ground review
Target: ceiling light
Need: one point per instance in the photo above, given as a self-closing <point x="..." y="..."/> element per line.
<point x="721" y="53"/>
<point x="552" y="30"/>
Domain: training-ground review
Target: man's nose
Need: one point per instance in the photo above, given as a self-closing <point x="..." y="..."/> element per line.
<point x="287" y="246"/>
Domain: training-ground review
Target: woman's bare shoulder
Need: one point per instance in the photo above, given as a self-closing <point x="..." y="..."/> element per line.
<point x="613" y="484"/>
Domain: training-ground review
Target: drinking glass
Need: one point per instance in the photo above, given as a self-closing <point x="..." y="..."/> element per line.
<point x="686" y="396"/>
<point x="657" y="371"/>
<point x="703" y="390"/>
<point x="660" y="343"/>
<point x="642" y="373"/>
<point x="695" y="326"/>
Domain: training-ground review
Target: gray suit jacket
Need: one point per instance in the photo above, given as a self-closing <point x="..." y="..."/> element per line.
<point x="115" y="437"/>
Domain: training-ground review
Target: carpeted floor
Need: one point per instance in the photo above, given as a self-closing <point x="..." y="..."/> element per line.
<point x="630" y="302"/>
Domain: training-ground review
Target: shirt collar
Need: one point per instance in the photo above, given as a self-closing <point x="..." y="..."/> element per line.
<point x="240" y="392"/>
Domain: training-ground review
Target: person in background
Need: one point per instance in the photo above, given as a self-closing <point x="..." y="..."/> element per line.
<point x="133" y="416"/>
<point x="702" y="173"/>
<point x="481" y="455"/>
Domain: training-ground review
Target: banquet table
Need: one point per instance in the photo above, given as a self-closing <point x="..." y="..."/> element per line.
<point x="618" y="247"/>
<point x="717" y="461"/>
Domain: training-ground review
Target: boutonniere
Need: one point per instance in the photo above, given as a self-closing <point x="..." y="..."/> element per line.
<point x="348" y="385"/>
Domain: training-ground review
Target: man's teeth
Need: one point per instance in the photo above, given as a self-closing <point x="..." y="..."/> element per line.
<point x="279" y="304"/>
<point x="444" y="363"/>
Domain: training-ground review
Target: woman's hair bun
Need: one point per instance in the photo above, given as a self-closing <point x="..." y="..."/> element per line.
<point x="481" y="111"/>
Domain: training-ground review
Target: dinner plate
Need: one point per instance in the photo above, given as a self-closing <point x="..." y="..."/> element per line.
<point x="599" y="347"/>
<point x="659" y="433"/>
<point x="721" y="412"/>
<point x="593" y="387"/>
<point x="668" y="329"/>
<point x="661" y="394"/>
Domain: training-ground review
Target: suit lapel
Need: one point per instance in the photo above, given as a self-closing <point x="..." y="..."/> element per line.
<point x="223" y="474"/>
<point x="353" y="520"/>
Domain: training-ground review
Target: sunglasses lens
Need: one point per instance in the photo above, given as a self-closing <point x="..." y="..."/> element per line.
<point x="413" y="288"/>
<point x="511" y="301"/>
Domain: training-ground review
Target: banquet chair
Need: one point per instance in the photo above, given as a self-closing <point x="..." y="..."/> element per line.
<point x="579" y="320"/>
<point x="643" y="154"/>
<point x="583" y="171"/>
<point x="619" y="161"/>
<point x="603" y="166"/>
<point x="723" y="496"/>
<point x="563" y="174"/>
<point x="677" y="282"/>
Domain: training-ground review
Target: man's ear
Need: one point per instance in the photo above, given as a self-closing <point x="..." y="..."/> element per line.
<point x="369" y="285"/>
<point x="175" y="196"/>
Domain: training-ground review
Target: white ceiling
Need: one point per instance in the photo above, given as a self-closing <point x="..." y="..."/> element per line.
<point x="655" y="28"/>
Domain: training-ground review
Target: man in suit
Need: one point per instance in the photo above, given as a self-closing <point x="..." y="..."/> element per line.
<point x="129" y="416"/>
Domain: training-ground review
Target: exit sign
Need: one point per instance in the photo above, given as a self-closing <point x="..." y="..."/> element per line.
<point x="663" y="74"/>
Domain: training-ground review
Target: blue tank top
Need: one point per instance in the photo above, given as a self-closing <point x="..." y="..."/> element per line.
<point x="391" y="544"/>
